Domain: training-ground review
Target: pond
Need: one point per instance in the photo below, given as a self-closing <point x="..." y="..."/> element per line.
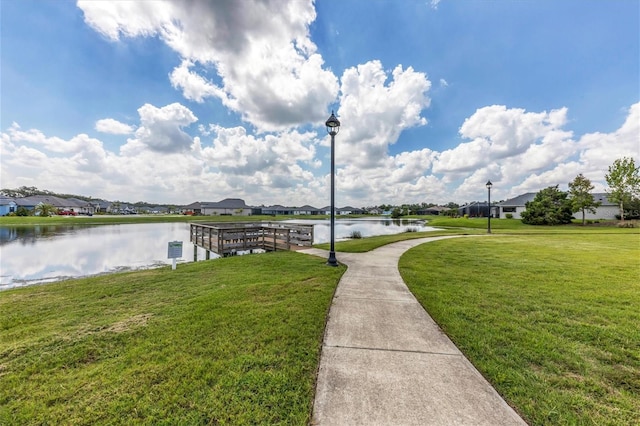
<point x="42" y="254"/>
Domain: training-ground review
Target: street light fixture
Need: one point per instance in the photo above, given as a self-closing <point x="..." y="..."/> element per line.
<point x="489" y="185"/>
<point x="333" y="127"/>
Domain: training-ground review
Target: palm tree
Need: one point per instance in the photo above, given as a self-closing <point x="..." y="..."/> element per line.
<point x="43" y="209"/>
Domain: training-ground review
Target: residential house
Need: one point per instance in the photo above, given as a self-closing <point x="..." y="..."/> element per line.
<point x="435" y="210"/>
<point x="101" y="206"/>
<point x="7" y="205"/>
<point x="349" y="210"/>
<point x="83" y="207"/>
<point x="476" y="209"/>
<point x="515" y="207"/>
<point x="306" y="210"/>
<point x="226" y="207"/>
<point x="277" y="209"/>
<point x="61" y="204"/>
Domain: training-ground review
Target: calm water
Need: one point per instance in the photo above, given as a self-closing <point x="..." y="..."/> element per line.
<point x="51" y="253"/>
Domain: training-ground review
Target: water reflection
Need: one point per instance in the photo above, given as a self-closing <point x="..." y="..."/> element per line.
<point x="42" y="254"/>
<point x="50" y="253"/>
<point x="365" y="226"/>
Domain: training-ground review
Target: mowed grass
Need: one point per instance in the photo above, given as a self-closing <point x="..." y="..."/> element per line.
<point x="229" y="341"/>
<point x="362" y="245"/>
<point x="553" y="321"/>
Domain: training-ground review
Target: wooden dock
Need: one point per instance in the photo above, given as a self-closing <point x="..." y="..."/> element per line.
<point x="226" y="239"/>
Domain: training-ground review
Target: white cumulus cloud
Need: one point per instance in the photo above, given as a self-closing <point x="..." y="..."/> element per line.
<point x="161" y="129"/>
<point x="114" y="127"/>
<point x="374" y="113"/>
<point x="261" y="50"/>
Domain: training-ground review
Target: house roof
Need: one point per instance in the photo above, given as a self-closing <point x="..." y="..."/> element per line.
<point x="4" y="200"/>
<point x="192" y="206"/>
<point x="306" y="207"/>
<point x="474" y="204"/>
<point x="518" y="201"/>
<point x="603" y="198"/>
<point x="34" y="200"/>
<point x="227" y="203"/>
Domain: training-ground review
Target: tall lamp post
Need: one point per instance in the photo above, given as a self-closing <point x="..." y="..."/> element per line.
<point x="489" y="185"/>
<point x="333" y="127"/>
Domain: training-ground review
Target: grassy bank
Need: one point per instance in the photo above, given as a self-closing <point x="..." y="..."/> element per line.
<point x="232" y="341"/>
<point x="510" y="226"/>
<point x="461" y="226"/>
<point x="551" y="321"/>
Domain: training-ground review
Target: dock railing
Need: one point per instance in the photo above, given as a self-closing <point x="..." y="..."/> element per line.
<point x="227" y="238"/>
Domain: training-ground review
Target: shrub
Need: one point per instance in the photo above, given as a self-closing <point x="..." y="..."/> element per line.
<point x="509" y="216"/>
<point x="549" y="207"/>
<point x="411" y="230"/>
<point x="466" y="216"/>
<point x="355" y="234"/>
<point x="22" y="211"/>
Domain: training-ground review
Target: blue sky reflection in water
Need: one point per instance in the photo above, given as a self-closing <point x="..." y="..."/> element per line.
<point x="51" y="253"/>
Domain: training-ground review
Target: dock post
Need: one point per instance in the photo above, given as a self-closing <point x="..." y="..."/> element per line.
<point x="195" y="253"/>
<point x="207" y="254"/>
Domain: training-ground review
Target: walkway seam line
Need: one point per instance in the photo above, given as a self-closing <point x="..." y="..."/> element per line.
<point x="392" y="350"/>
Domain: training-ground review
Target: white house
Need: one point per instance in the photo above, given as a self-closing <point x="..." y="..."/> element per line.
<point x="515" y="206"/>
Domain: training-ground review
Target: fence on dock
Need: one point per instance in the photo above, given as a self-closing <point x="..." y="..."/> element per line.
<point x="227" y="239"/>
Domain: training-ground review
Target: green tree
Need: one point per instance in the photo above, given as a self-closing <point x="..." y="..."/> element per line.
<point x="581" y="197"/>
<point x="549" y="207"/>
<point x="624" y="182"/>
<point x="396" y="213"/>
<point x="43" y="209"/>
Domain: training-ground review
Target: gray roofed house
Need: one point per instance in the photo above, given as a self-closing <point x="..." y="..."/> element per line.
<point x="64" y="204"/>
<point x="228" y="206"/>
<point x="277" y="209"/>
<point x="7" y="205"/>
<point x="306" y="209"/>
<point x="515" y="206"/>
<point x="476" y="209"/>
<point x="349" y="210"/>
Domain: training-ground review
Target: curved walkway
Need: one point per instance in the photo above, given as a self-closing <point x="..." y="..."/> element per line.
<point x="384" y="360"/>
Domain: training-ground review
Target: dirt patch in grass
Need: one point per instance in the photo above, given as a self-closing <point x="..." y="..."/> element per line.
<point x="129" y="323"/>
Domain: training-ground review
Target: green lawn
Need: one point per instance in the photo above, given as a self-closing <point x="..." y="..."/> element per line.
<point x="553" y="321"/>
<point x="549" y="314"/>
<point x="230" y="341"/>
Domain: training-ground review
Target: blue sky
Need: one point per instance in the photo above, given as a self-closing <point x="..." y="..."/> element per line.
<point x="180" y="101"/>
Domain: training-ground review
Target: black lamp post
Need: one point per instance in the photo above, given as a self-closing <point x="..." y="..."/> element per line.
<point x="489" y="185"/>
<point x="333" y="127"/>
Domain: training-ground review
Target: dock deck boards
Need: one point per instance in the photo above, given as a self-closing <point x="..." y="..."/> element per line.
<point x="228" y="238"/>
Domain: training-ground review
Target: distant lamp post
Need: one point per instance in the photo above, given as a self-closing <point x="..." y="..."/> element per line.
<point x="333" y="127"/>
<point x="489" y="185"/>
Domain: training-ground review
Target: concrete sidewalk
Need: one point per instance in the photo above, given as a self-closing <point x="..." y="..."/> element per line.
<point x="384" y="360"/>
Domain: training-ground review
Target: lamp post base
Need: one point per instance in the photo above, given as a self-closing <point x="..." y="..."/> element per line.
<point x="332" y="261"/>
